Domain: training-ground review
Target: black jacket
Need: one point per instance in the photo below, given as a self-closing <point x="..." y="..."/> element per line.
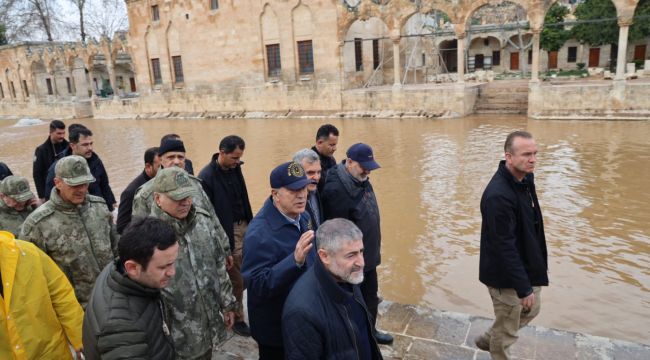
<point x="124" y="320"/>
<point x="4" y="171"/>
<point x="44" y="157"/>
<point x="217" y="190"/>
<point x="100" y="187"/>
<point x="348" y="198"/>
<point x="326" y="163"/>
<point x="513" y="246"/>
<point x="317" y="321"/>
<point x="126" y="201"/>
<point x="321" y="217"/>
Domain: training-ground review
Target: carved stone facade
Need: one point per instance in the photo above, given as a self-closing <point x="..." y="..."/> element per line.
<point x="226" y="56"/>
<point x="60" y="79"/>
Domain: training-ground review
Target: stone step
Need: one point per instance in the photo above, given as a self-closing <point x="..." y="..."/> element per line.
<point x="501" y="111"/>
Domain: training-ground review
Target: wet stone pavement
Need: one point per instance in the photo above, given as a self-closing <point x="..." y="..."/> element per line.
<point x="432" y="334"/>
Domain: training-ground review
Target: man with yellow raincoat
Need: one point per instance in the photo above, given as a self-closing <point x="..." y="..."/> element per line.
<point x="39" y="313"/>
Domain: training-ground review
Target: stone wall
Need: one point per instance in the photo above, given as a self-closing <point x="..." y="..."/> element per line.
<point x="590" y="101"/>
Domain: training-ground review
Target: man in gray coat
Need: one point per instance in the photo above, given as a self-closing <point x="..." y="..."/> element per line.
<point x="125" y="317"/>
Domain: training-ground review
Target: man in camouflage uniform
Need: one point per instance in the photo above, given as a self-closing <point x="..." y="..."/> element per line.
<point x="172" y="154"/>
<point x="201" y="291"/>
<point x="16" y="203"/>
<point x="74" y="228"/>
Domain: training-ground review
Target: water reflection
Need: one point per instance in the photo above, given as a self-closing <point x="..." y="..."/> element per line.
<point x="591" y="177"/>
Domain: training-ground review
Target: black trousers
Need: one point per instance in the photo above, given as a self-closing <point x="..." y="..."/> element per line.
<point x="369" y="288"/>
<point x="270" y="352"/>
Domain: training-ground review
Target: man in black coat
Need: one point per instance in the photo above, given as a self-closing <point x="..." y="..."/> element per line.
<point x="327" y="137"/>
<point x="46" y="154"/>
<point x="81" y="143"/>
<point x="325" y="316"/>
<point x="310" y="162"/>
<point x="348" y="194"/>
<point x="513" y="261"/>
<point x="4" y="171"/>
<point x="224" y="184"/>
<point x="126" y="317"/>
<point x="151" y="166"/>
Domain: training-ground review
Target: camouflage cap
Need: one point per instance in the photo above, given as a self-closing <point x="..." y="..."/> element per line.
<point x="173" y="182"/>
<point x="16" y="187"/>
<point x="73" y="170"/>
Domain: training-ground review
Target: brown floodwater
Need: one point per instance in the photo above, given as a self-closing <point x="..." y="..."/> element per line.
<point x="592" y="179"/>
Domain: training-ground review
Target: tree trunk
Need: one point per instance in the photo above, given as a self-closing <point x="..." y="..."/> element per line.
<point x="81" y="21"/>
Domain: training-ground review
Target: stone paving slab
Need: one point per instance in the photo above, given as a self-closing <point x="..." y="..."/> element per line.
<point x="425" y="334"/>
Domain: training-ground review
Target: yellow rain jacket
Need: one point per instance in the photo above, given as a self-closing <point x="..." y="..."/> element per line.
<point x="39" y="313"/>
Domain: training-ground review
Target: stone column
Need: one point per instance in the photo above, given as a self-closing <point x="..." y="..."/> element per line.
<point x="111" y="77"/>
<point x="396" y="61"/>
<point x="460" y="54"/>
<point x="624" y="28"/>
<point x="54" y="87"/>
<point x="535" y="68"/>
<point x="91" y="83"/>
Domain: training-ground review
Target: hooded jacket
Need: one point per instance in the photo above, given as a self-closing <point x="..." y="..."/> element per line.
<point x="348" y="198"/>
<point x="125" y="320"/>
<point x="513" y="245"/>
<point x="39" y="313"/>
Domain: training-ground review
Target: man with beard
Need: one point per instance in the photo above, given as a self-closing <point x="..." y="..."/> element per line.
<point x="325" y="316"/>
<point x="125" y="317"/>
<point x="310" y="162"/>
<point x="46" y="154"/>
<point x="349" y="194"/>
<point x="81" y="144"/>
<point x="223" y="182"/>
<point x="327" y="137"/>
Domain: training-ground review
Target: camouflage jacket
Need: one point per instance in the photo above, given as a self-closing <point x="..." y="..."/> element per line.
<point x="201" y="289"/>
<point x="81" y="239"/>
<point x="143" y="202"/>
<point x="11" y="220"/>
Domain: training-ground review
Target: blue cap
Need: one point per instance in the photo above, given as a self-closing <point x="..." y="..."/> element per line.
<point x="362" y="154"/>
<point x="289" y="175"/>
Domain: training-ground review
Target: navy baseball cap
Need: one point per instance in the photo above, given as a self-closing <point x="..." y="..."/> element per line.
<point x="362" y="154"/>
<point x="289" y="175"/>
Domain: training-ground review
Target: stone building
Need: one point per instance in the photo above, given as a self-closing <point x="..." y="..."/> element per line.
<point x="205" y="58"/>
<point x="59" y="79"/>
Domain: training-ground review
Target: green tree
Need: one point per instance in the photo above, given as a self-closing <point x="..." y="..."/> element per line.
<point x="599" y="32"/>
<point x="3" y="37"/>
<point x="640" y="29"/>
<point x="554" y="37"/>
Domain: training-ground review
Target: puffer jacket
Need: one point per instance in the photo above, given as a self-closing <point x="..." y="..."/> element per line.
<point x="125" y="320"/>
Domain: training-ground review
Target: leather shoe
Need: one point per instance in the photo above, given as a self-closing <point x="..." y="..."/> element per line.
<point x="383" y="338"/>
<point x="241" y="328"/>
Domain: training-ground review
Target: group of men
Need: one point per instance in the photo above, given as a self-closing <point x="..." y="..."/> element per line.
<point x="172" y="283"/>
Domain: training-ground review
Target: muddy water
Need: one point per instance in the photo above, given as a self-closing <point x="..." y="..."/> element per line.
<point x="593" y="187"/>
